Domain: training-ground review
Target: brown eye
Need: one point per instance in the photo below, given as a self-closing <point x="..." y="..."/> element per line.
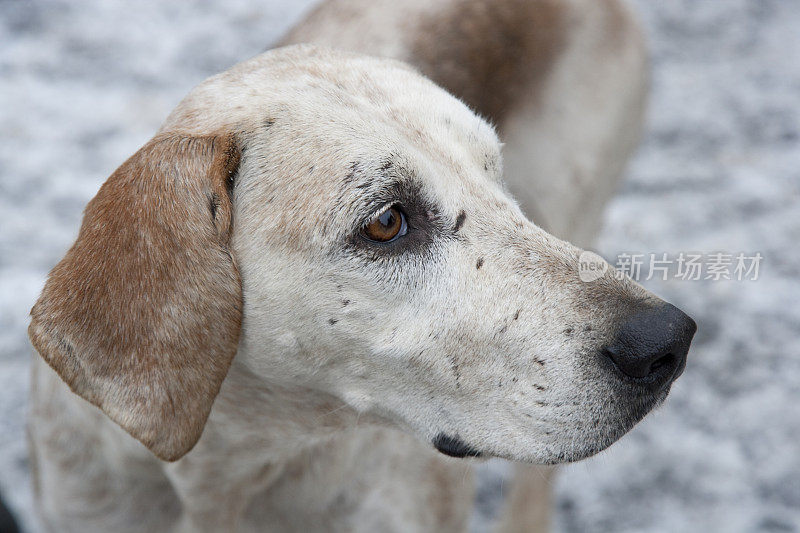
<point x="387" y="226"/>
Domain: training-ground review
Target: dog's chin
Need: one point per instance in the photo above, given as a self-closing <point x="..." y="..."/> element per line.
<point x="606" y="430"/>
<point x="568" y="444"/>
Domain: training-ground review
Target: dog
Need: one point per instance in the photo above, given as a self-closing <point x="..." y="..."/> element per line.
<point x="313" y="293"/>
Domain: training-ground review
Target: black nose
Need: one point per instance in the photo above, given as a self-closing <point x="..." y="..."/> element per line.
<point x="651" y="345"/>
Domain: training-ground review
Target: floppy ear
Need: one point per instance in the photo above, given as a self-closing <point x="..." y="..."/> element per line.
<point x="142" y="316"/>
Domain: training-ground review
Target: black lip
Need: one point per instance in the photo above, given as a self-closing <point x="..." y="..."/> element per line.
<point x="453" y="446"/>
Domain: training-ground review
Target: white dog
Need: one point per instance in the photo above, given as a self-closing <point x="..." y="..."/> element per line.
<point x="313" y="277"/>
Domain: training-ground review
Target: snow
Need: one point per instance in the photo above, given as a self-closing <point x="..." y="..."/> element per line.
<point x="84" y="84"/>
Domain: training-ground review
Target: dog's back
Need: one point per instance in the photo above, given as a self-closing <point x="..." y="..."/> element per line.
<point x="487" y="53"/>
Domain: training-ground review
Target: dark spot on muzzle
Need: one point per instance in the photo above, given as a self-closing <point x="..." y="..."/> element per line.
<point x="462" y="216"/>
<point x="453" y="446"/>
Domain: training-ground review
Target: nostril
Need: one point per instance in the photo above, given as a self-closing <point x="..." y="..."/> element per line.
<point x="628" y="363"/>
<point x="666" y="360"/>
<point x="640" y="365"/>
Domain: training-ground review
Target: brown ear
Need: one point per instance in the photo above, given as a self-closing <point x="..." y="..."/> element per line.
<point x="142" y="316"/>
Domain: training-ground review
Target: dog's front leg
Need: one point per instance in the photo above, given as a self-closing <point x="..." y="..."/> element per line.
<point x="529" y="503"/>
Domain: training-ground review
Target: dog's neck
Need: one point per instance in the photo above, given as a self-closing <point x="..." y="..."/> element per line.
<point x="279" y="419"/>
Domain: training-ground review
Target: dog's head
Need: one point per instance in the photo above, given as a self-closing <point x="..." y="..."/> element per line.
<point x="341" y="223"/>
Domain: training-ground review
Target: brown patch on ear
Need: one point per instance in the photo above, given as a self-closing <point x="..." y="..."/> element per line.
<point x="489" y="53"/>
<point x="142" y="316"/>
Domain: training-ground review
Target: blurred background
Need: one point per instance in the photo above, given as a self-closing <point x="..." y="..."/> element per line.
<point x="84" y="84"/>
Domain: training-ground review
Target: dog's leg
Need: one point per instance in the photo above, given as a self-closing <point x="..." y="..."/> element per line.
<point x="528" y="504"/>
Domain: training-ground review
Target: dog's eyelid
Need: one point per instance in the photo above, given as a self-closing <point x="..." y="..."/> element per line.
<point x="385" y="195"/>
<point x="375" y="216"/>
<point x="389" y="205"/>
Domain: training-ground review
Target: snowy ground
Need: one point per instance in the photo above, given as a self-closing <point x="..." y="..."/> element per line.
<point x="83" y="84"/>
